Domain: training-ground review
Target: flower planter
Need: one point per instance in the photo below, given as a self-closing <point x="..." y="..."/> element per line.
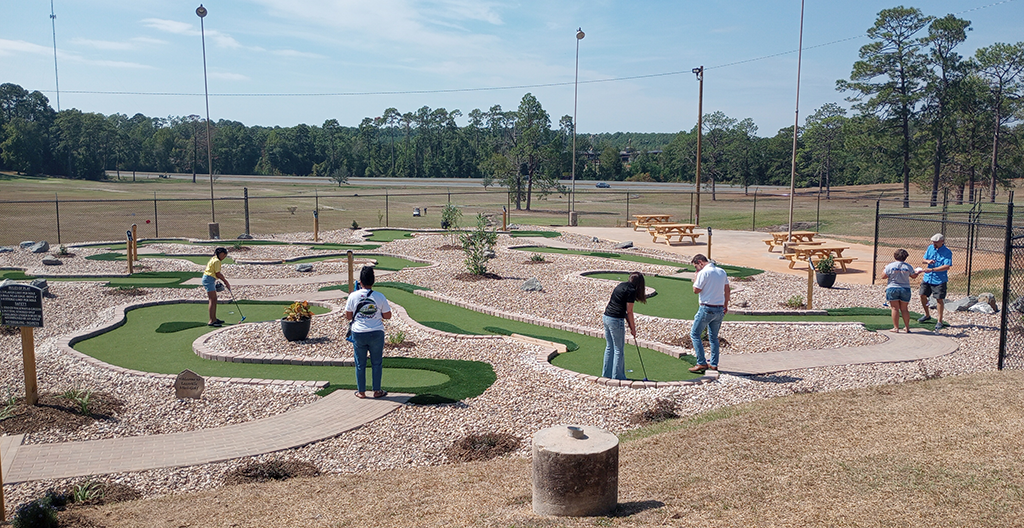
<point x="825" y="280"/>
<point x="295" y="330"/>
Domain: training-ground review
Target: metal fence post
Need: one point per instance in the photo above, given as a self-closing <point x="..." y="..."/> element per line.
<point x="1007" y="248"/>
<point x="245" y="197"/>
<point x="156" y="218"/>
<point x="627" y="207"/>
<point x="387" y="207"/>
<point x="56" y="205"/>
<point x="874" y="253"/>
<point x="753" y="216"/>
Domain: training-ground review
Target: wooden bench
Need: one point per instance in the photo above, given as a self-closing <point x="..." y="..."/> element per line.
<point x="648" y="220"/>
<point x="841" y="261"/>
<point x="773" y="243"/>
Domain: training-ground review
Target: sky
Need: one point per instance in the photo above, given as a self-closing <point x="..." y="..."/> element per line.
<point x="285" y="62"/>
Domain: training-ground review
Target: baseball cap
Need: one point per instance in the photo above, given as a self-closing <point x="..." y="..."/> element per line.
<point x="938" y="237"/>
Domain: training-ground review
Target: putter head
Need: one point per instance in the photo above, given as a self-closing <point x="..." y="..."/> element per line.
<point x="242" y="320"/>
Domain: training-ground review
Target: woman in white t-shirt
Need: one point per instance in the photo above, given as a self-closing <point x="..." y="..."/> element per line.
<point x="367" y="310"/>
<point x="897" y="291"/>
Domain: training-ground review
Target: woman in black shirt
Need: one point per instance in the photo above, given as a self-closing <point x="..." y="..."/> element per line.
<point x="619" y="312"/>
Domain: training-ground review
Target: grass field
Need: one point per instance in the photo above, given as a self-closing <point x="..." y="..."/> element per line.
<point x="176" y="207"/>
<point x="159" y="339"/>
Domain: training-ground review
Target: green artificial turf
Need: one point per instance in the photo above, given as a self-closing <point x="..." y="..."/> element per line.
<point x="545" y="234"/>
<point x="384" y="262"/>
<point x="675" y="300"/>
<point x="389" y="235"/>
<point x="587" y="356"/>
<point x="354" y="247"/>
<point x="732" y="271"/>
<point x="202" y="260"/>
<point x="159" y="339"/>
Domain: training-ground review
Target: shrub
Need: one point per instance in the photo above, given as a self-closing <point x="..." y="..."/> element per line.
<point x="355" y="225"/>
<point x="795" y="301"/>
<point x="40" y="513"/>
<point x="80" y="397"/>
<point x="271" y="470"/>
<point x="476" y="244"/>
<point x="451" y="215"/>
<point x="86" y="491"/>
<point x="8" y="406"/>
<point x="537" y="257"/>
<point x="826" y="265"/>
<point x="298" y="311"/>
<point x="396" y="338"/>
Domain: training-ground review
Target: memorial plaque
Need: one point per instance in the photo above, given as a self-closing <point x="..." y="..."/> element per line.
<point x="189" y="385"/>
<point x="21" y="305"/>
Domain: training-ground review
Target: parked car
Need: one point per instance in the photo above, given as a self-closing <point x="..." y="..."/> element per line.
<point x="603" y="185"/>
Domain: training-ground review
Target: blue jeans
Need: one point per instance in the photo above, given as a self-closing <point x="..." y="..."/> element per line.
<point x="711" y="318"/>
<point x="372" y="343"/>
<point x="614" y="359"/>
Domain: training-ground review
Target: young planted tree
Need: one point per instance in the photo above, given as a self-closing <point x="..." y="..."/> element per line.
<point x="451" y="215"/>
<point x="890" y="77"/>
<point x="477" y="244"/>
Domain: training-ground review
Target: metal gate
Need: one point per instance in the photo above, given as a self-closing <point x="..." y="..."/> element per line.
<point x="1011" y="329"/>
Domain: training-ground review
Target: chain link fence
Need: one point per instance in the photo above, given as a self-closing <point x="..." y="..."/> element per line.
<point x="1011" y="336"/>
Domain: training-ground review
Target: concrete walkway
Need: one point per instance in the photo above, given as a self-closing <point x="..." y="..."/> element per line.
<point x="337" y="413"/>
<point x="899" y="347"/>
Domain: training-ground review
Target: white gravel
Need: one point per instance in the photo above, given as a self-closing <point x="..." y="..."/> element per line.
<point x="526" y="396"/>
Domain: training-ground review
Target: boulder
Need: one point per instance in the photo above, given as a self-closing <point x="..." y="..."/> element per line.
<point x="52" y="262"/>
<point x="1018" y="305"/>
<point x="39" y="247"/>
<point x="489" y="254"/>
<point x="982" y="308"/>
<point x="5" y="249"/>
<point x="41" y="284"/>
<point x="595" y="239"/>
<point x="532" y="284"/>
<point x="990" y="300"/>
<point x="245" y="236"/>
<point x="961" y="305"/>
<point x="304" y="268"/>
<point x="624" y="245"/>
<point x="26" y="244"/>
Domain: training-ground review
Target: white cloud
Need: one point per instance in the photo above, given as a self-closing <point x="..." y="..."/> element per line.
<point x="102" y="44"/>
<point x="10" y="47"/>
<point x="170" y="26"/>
<point x="298" y="54"/>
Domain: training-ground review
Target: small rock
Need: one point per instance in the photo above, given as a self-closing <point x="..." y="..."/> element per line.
<point x="5" y="249"/>
<point x="532" y="284"/>
<point x="961" y="305"/>
<point x="41" y="284"/>
<point x="39" y="247"/>
<point x="595" y="239"/>
<point x="990" y="300"/>
<point x="624" y="245"/>
<point x="1018" y="305"/>
<point x="489" y="254"/>
<point x="305" y="268"/>
<point x="26" y="244"/>
<point x="982" y="308"/>
<point x="52" y="262"/>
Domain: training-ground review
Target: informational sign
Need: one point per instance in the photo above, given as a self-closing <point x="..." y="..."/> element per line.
<point x="21" y="305"/>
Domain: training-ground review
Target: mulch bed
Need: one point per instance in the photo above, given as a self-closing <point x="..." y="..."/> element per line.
<point x="403" y="344"/>
<point x="483" y="447"/>
<point x="54" y="412"/>
<point x="272" y="470"/>
<point x="537" y="262"/>
<point x="471" y="277"/>
<point x="450" y="247"/>
<point x="126" y="292"/>
<point x="687" y="344"/>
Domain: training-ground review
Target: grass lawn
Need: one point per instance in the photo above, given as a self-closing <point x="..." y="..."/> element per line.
<point x="676" y="300"/>
<point x="732" y="271"/>
<point x="198" y="259"/>
<point x="586" y="353"/>
<point x="148" y="279"/>
<point x="159" y="339"/>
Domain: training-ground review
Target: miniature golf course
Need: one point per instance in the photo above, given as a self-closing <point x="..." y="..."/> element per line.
<point x="732" y="271"/>
<point x="675" y="300"/>
<point x="586" y="353"/>
<point x="159" y="339"/>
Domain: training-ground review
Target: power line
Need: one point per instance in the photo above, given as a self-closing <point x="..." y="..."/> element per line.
<point x="498" y="88"/>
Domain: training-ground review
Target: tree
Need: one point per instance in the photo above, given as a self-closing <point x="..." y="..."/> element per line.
<point x="822" y="136"/>
<point x="1002" y="66"/>
<point x="895" y="57"/>
<point x="532" y="132"/>
<point x="944" y="35"/>
<point x="24" y="147"/>
<point x="609" y="164"/>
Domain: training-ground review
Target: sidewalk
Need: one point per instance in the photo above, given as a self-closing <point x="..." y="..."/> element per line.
<point x="337" y="413"/>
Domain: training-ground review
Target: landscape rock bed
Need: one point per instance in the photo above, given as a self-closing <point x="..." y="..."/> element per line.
<point x="526" y="397"/>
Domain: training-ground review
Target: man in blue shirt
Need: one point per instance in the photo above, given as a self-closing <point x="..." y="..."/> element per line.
<point x="938" y="259"/>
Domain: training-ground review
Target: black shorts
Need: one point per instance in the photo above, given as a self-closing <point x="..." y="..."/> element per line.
<point x="933" y="290"/>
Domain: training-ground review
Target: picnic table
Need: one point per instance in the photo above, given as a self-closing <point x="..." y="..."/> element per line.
<point x="644" y="220"/>
<point x="800" y="237"/>
<point x="805" y="252"/>
<point x="667" y="231"/>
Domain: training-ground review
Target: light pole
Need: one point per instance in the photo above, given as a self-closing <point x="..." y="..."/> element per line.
<point x="575" y="97"/>
<point x="201" y="11"/>
<point x="195" y="144"/>
<point x="700" y="132"/>
<point x="796" y="124"/>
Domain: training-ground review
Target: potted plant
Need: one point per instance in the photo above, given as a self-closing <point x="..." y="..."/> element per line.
<point x="825" y="272"/>
<point x="296" y="320"/>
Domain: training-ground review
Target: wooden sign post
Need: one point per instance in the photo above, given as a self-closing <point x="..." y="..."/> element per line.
<point x="135" y="243"/>
<point x="128" y="246"/>
<point x="351" y="277"/>
<point x="22" y="305"/>
<point x="316" y="226"/>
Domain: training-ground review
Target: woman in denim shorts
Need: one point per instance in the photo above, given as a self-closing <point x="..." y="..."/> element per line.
<point x="897" y="292"/>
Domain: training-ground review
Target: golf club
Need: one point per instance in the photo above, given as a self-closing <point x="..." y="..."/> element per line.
<point x="641" y="358"/>
<point x="239" y="308"/>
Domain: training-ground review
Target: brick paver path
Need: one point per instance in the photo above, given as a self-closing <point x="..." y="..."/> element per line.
<point x="338" y="412"/>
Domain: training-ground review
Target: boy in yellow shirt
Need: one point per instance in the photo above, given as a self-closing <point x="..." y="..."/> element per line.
<point x="210" y="277"/>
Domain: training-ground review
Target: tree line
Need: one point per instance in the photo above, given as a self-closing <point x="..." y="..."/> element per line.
<point x="922" y="113"/>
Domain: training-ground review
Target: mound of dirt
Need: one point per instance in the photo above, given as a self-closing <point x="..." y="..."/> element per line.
<point x="483" y="447"/>
<point x="272" y="470"/>
<point x="54" y="412"/>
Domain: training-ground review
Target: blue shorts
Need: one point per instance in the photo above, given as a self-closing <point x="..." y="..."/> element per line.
<point x="897" y="294"/>
<point x="210" y="283"/>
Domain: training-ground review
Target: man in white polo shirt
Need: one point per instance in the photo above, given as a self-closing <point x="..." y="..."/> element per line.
<point x="712" y="287"/>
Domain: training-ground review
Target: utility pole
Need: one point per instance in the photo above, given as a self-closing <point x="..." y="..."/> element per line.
<point x="700" y="131"/>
